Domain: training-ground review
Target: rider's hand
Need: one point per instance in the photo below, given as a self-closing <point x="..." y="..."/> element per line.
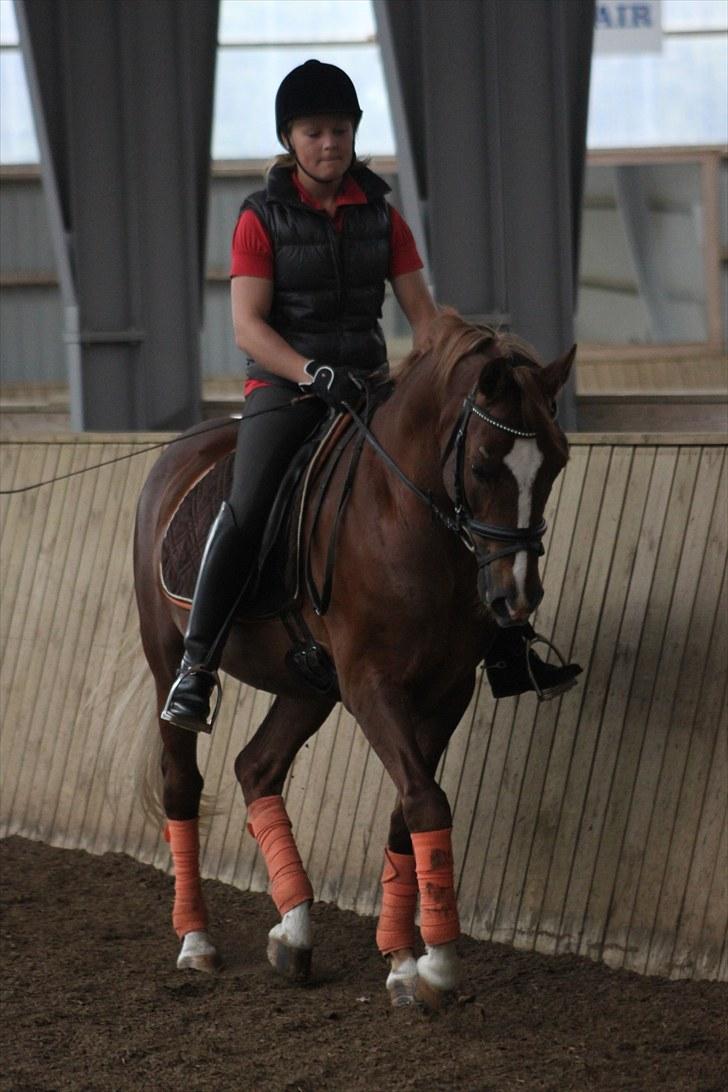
<point x="334" y="386"/>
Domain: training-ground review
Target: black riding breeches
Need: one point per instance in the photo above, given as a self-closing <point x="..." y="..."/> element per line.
<point x="273" y="427"/>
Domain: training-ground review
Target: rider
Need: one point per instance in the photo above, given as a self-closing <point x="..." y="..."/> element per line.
<point x="310" y="257"/>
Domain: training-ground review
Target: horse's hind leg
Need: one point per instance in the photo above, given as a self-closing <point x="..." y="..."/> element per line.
<point x="181" y="778"/>
<point x="182" y="789"/>
<point x="261" y="769"/>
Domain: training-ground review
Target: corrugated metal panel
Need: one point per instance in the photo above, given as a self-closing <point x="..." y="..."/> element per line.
<point x="31" y="345"/>
<point x="25" y="240"/>
<point x="220" y="355"/>
<point x="596" y="824"/>
<point x="31" y="318"/>
<point x="227" y="194"/>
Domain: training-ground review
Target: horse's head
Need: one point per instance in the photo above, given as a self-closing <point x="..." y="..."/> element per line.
<point x="502" y="459"/>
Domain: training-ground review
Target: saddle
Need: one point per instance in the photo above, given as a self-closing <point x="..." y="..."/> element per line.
<point x="283" y="562"/>
<point x="274" y="585"/>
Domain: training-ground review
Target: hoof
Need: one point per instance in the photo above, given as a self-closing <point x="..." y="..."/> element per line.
<point x="432" y="998"/>
<point x="402" y="991"/>
<point x="198" y="954"/>
<point x="437" y="975"/>
<point x="292" y="963"/>
<point x="402" y="979"/>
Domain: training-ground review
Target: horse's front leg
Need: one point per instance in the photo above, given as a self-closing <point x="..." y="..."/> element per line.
<point x="419" y="853"/>
<point x="426" y="869"/>
<point x="182" y="790"/>
<point x="396" y="924"/>
<point x="261" y="769"/>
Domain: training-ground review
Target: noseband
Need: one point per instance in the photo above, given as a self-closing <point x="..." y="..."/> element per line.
<point x="463" y="524"/>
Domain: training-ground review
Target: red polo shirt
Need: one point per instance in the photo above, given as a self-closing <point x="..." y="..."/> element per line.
<point x="252" y="252"/>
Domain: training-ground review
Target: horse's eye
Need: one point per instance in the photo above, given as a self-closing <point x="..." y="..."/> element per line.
<point x="485" y="472"/>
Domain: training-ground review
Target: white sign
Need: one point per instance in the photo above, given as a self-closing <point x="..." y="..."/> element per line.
<point x="627" y="26"/>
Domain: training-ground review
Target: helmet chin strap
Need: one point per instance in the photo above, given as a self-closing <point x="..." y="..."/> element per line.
<point x="321" y="181"/>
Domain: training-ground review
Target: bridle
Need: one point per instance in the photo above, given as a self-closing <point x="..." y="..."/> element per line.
<point x="462" y="523"/>
<point x="516" y="539"/>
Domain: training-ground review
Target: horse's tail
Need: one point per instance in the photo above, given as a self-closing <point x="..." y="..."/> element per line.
<point x="129" y="761"/>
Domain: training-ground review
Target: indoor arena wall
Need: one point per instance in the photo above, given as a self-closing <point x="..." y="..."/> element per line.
<point x="595" y="824"/>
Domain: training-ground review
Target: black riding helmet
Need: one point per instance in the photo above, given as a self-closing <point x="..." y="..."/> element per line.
<point x="315" y="88"/>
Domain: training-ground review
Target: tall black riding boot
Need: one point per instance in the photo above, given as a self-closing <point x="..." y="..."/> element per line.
<point x="221" y="582"/>
<point x="514" y="668"/>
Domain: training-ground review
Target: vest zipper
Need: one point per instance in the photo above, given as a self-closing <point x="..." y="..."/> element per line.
<point x="335" y="244"/>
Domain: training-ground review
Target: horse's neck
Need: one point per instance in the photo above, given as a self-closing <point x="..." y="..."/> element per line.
<point x="409" y="424"/>
<point x="413" y="426"/>
<point x="419" y="415"/>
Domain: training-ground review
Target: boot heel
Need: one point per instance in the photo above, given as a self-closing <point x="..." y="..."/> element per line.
<point x="174" y="711"/>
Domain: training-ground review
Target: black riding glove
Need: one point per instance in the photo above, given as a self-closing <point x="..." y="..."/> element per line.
<point x="334" y="386"/>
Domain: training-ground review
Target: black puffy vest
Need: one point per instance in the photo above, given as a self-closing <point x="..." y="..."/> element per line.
<point x="328" y="285"/>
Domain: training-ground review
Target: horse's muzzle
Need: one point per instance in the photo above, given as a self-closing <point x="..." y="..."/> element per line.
<point x="496" y="586"/>
<point x="503" y="603"/>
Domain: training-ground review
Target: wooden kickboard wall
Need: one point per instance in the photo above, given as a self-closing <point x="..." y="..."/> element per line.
<point x="595" y="824"/>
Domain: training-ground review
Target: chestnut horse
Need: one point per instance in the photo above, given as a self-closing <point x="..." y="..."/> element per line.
<point x="438" y="545"/>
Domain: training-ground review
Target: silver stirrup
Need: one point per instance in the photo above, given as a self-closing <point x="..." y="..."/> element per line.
<point x="190" y="726"/>
<point x="553" y="691"/>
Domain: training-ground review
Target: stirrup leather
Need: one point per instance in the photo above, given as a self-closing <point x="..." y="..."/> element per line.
<point x="552" y="691"/>
<point x="195" y="669"/>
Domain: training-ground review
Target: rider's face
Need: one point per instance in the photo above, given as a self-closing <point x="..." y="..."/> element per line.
<point x="323" y="145"/>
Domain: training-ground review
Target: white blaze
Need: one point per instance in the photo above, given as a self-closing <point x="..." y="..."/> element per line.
<point x="523" y="461"/>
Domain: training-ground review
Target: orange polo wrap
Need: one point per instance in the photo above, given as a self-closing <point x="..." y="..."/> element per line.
<point x="270" y="826"/>
<point x="189" y="914"/>
<point x="396" y="925"/>
<point x="438" y="909"/>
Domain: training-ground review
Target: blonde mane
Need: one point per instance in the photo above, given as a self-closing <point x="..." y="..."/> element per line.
<point x="451" y="338"/>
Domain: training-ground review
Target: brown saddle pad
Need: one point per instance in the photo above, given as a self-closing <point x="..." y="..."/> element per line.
<point x="277" y="587"/>
<point x="185" y="538"/>
<point x="186" y="535"/>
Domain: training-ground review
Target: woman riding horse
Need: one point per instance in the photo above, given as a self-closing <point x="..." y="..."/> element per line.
<point x="310" y="257"/>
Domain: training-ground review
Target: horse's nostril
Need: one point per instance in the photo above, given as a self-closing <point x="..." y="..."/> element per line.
<point x="500" y="607"/>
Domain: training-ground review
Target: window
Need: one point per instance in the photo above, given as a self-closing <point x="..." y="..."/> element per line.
<point x="262" y="40"/>
<point x="652" y="260"/>
<point x="18" y="142"/>
<point x="678" y="96"/>
<point x="648" y="258"/>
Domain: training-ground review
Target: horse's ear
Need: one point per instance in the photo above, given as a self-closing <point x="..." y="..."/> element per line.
<point x="492" y="378"/>
<point x="552" y="378"/>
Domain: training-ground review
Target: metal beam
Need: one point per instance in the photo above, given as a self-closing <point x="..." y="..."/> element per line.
<point x="122" y="93"/>
<point x="495" y="98"/>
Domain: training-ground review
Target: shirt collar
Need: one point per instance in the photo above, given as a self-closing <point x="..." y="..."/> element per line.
<point x="350" y="193"/>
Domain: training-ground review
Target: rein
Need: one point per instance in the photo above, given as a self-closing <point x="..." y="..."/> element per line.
<point x="141" y="451"/>
<point x="462" y="523"/>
